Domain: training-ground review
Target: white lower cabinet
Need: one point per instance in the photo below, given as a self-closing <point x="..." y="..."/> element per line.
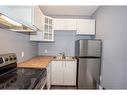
<point x="63" y="72"/>
<point x="69" y="73"/>
<point x="48" y="76"/>
<point x="57" y="73"/>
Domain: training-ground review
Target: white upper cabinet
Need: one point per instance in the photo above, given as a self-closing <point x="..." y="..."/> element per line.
<point x="48" y="32"/>
<point x="36" y="36"/>
<point x="81" y="26"/>
<point x="29" y="15"/>
<point x="64" y="24"/>
<point x="33" y="17"/>
<point x="6" y="11"/>
<point x="38" y="18"/>
<point x="86" y="26"/>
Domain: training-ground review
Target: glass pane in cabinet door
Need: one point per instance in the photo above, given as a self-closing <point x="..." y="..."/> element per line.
<point x="50" y="21"/>
<point x="46" y="28"/>
<point x="50" y="29"/>
<point x="50" y="36"/>
<point x="46" y="20"/>
<point x="45" y="35"/>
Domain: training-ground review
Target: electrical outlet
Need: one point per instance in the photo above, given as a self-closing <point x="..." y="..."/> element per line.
<point x="45" y="51"/>
<point x="22" y="54"/>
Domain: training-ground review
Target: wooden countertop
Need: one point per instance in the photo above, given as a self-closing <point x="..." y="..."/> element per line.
<point x="40" y="62"/>
<point x="36" y="62"/>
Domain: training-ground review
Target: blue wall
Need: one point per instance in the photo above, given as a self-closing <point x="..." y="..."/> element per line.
<point x="14" y="42"/>
<point x="111" y="27"/>
<point x="64" y="42"/>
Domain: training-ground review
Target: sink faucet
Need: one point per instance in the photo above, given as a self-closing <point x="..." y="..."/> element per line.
<point x="63" y="55"/>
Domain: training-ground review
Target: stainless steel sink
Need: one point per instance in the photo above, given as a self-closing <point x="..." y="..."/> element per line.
<point x="64" y="58"/>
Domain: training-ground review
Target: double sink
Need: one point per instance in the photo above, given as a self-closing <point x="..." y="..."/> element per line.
<point x="64" y="58"/>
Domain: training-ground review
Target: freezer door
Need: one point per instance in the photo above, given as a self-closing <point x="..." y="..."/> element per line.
<point x="88" y="48"/>
<point x="88" y="73"/>
<point x="94" y="48"/>
<point x="83" y="47"/>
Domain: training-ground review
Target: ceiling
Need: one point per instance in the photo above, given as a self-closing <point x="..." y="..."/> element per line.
<point x="68" y="10"/>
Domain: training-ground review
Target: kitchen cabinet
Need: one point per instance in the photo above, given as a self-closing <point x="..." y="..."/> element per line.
<point x="48" y="32"/>
<point x="85" y="26"/>
<point x="81" y="26"/>
<point x="6" y="11"/>
<point x="36" y="36"/>
<point x="57" y="73"/>
<point x="63" y="73"/>
<point x="8" y="20"/>
<point x="35" y="19"/>
<point x="64" y="24"/>
<point x="48" y="76"/>
<point x="28" y="15"/>
<point x="69" y="72"/>
<point x="38" y="18"/>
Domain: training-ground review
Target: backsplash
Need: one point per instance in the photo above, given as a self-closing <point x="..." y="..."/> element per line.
<point x="13" y="42"/>
<point x="64" y="42"/>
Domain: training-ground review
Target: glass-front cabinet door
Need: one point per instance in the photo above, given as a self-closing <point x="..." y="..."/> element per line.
<point x="48" y="34"/>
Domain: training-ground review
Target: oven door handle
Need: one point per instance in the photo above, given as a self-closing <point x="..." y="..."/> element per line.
<point x="41" y="84"/>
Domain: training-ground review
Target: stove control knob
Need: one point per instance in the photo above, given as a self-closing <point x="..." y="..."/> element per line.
<point x="12" y="81"/>
<point x="10" y="58"/>
<point x="14" y="58"/>
<point x="6" y="59"/>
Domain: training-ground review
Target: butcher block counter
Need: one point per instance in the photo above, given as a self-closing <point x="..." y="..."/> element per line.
<point x="36" y="62"/>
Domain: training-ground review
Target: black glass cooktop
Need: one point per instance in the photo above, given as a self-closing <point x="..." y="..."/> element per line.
<point x="21" y="78"/>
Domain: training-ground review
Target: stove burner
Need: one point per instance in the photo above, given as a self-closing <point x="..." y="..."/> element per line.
<point x="21" y="84"/>
<point x="8" y="81"/>
<point x="27" y="72"/>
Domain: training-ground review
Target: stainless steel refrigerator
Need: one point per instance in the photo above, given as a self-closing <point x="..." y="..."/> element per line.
<point x="88" y="53"/>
